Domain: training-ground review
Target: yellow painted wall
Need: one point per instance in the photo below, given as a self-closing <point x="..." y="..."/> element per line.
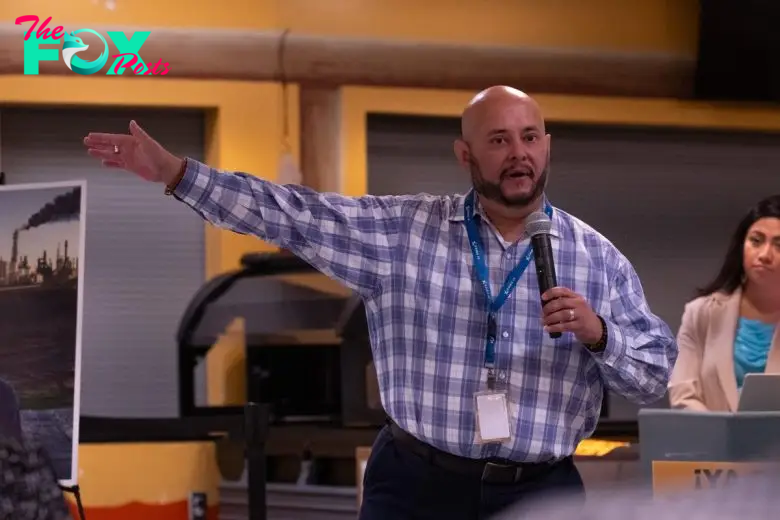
<point x="232" y="14"/>
<point x="638" y="25"/>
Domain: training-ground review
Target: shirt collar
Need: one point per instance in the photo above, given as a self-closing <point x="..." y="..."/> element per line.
<point x="456" y="212"/>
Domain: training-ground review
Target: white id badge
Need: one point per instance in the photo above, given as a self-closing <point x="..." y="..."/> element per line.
<point x="492" y="413"/>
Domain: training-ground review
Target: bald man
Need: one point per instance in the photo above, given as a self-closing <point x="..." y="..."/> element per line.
<point x="485" y="408"/>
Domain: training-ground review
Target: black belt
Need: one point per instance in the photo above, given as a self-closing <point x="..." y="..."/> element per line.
<point x="488" y="471"/>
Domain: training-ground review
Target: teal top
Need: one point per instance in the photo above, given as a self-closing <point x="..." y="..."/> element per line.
<point x="751" y="347"/>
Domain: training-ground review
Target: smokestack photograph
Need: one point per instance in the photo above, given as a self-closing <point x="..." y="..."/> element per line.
<point x="41" y="266"/>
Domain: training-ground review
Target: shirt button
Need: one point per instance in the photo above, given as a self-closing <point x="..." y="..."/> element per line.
<point x="505" y="334"/>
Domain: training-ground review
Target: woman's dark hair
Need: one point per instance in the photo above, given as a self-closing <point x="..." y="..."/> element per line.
<point x="732" y="271"/>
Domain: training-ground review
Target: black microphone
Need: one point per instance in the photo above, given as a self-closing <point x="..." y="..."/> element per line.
<point x="538" y="226"/>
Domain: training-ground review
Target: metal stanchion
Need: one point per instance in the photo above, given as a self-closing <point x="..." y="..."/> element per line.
<point x="256" y="431"/>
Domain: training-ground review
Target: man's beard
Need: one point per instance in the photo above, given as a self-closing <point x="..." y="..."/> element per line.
<point x="492" y="190"/>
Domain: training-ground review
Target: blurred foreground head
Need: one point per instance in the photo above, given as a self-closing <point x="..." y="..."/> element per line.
<point x="29" y="489"/>
<point x="750" y="497"/>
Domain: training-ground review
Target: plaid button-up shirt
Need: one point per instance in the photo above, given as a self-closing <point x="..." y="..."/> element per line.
<point x="409" y="258"/>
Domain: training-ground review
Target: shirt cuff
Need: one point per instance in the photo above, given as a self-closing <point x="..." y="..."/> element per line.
<point x="195" y="183"/>
<point x="614" y="349"/>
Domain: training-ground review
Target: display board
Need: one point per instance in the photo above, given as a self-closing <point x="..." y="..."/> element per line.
<point x="42" y="239"/>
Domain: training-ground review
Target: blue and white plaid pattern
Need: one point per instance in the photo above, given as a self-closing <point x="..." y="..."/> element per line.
<point x="409" y="258"/>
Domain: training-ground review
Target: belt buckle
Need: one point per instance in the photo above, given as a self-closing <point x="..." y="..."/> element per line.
<point x="489" y="467"/>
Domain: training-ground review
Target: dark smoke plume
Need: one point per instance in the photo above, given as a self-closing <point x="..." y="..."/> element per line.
<point x="63" y="208"/>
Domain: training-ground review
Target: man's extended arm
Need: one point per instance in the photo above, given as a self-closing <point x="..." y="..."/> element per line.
<point x="641" y="349"/>
<point x="349" y="239"/>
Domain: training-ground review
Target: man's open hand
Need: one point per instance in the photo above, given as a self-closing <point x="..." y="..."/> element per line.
<point x="135" y="152"/>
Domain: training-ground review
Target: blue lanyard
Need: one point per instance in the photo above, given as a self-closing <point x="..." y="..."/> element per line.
<point x="481" y="269"/>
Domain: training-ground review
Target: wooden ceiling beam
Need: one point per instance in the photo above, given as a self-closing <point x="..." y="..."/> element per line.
<point x="329" y="62"/>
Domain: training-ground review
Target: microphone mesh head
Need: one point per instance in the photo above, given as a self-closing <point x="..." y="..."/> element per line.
<point x="538" y="223"/>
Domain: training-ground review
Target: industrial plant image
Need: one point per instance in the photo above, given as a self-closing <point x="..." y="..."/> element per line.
<point x="41" y="229"/>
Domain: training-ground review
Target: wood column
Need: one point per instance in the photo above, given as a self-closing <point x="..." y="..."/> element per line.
<point x="320" y="120"/>
<point x="320" y="167"/>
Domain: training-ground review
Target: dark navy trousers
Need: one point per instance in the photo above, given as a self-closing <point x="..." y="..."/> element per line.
<point x="399" y="484"/>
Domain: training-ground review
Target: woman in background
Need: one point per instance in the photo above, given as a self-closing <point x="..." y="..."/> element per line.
<point x="731" y="329"/>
